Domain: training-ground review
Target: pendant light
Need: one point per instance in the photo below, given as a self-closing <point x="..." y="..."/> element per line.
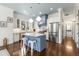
<point x="31" y="20"/>
<point x="38" y="19"/>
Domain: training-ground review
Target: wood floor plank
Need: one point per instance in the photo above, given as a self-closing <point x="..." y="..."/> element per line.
<point x="52" y="49"/>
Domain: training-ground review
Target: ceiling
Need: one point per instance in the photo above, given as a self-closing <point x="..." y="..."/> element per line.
<point x="35" y="9"/>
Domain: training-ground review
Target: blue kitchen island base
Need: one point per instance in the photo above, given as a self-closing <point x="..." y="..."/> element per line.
<point x="40" y="39"/>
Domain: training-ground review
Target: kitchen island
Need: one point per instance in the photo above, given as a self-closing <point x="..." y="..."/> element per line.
<point x="40" y="39"/>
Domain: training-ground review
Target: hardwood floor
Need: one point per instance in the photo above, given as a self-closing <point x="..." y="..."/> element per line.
<point x="52" y="49"/>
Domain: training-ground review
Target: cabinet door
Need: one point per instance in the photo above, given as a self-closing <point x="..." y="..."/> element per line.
<point x="37" y="45"/>
<point x="40" y="43"/>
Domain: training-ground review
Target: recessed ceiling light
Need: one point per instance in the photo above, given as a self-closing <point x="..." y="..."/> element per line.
<point x="33" y="15"/>
<point x="24" y="11"/>
<point x="51" y="9"/>
<point x="40" y="12"/>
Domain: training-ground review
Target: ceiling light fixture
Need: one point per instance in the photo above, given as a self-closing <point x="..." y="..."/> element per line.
<point x="24" y="11"/>
<point x="38" y="18"/>
<point x="31" y="20"/>
<point x="40" y="12"/>
<point x="33" y="15"/>
<point x="51" y="9"/>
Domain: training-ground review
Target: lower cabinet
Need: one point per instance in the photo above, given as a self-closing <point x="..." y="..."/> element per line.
<point x="40" y="43"/>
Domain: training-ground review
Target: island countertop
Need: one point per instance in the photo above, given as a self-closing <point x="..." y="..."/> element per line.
<point x="33" y="34"/>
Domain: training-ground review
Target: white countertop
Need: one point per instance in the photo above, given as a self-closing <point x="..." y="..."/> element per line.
<point x="33" y="34"/>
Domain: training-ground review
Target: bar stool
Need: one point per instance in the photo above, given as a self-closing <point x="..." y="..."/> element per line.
<point x="23" y="51"/>
<point x="23" y="48"/>
<point x="31" y="43"/>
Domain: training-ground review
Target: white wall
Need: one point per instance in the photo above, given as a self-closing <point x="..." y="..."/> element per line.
<point x="6" y="32"/>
